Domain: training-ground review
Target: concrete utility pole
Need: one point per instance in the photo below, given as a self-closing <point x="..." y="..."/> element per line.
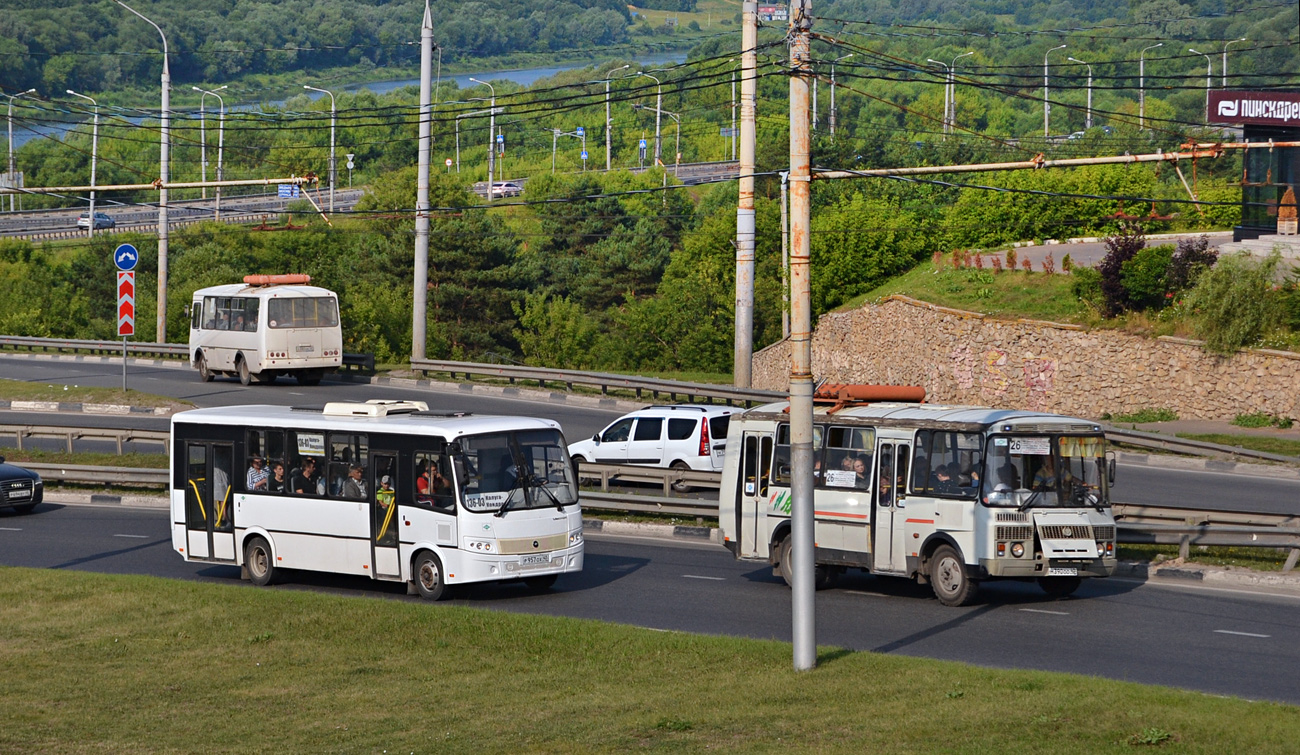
<point x="609" y="124"/>
<point x="13" y="166"/>
<point x="421" y="291"/>
<point x="94" y="154"/>
<point x="1047" y="107"/>
<point x="947" y="77"/>
<point x="164" y="176"/>
<point x="803" y="592"/>
<point x="742" y="368"/>
<point x="1142" y="81"/>
<point x="1087" y="122"/>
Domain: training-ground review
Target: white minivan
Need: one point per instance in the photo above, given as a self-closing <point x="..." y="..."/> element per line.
<point x="682" y="436"/>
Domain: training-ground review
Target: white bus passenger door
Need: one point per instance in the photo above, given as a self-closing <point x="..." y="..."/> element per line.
<point x="751" y="498"/>
<point x="209" y="502"/>
<point x="385" y="519"/>
<point x="890" y="488"/>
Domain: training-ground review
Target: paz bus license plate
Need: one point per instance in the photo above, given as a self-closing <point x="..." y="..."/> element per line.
<point x="1062" y="571"/>
<point x="536" y="560"/>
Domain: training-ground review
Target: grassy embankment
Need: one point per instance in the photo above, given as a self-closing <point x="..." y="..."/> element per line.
<point x="140" y="664"/>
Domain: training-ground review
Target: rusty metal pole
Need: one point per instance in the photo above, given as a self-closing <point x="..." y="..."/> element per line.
<point x="803" y="608"/>
<point x="742" y="367"/>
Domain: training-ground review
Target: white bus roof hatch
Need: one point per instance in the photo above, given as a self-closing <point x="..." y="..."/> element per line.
<point x="373" y="408"/>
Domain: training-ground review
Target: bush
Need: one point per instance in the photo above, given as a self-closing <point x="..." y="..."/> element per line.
<point x="1120" y="248"/>
<point x="1086" y="286"/>
<point x="1191" y="258"/>
<point x="1236" y="303"/>
<point x="1144" y="277"/>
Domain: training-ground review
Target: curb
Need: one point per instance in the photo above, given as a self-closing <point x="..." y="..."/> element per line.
<point x="658" y="531"/>
<point x="68" y="406"/>
<point x="1215" y="576"/>
<point x="103" y="499"/>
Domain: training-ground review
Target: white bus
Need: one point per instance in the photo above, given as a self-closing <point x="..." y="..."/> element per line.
<point x="268" y="326"/>
<point x="385" y="489"/>
<point x="949" y="495"/>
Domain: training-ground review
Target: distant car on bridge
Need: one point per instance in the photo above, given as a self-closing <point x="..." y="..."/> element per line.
<point x="101" y="221"/>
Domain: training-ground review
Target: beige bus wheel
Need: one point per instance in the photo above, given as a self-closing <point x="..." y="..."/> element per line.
<point x="949" y="580"/>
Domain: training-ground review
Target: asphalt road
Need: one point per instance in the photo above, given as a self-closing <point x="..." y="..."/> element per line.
<point x="1217" y="641"/>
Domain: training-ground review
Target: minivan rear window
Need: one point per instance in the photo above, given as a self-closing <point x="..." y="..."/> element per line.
<point x="681" y="429"/>
<point x="718" y="427"/>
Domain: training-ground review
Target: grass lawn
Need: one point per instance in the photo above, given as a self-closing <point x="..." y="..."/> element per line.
<point x="18" y="390"/>
<point x="1260" y="559"/>
<point x="86" y="458"/>
<point x="138" y="664"/>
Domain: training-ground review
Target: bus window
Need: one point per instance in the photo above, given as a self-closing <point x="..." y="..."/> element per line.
<point x="223" y="313"/>
<point x="781" y="460"/>
<point x="303" y="312"/>
<point x="848" y="457"/>
<point x="433" y="482"/>
<point x="210" y="313"/>
<point x="196" y="315"/>
<point x="257" y="475"/>
<point x="308" y="456"/>
<point x="250" y="314"/>
<point x="946" y="464"/>
<point x="349" y="455"/>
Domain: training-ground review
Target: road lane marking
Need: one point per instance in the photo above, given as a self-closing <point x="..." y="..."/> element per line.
<point x="1040" y="610"/>
<point x="1242" y="634"/>
<point x="12" y="529"/>
<point x="696" y="576"/>
<point x="295" y="393"/>
<point x="139" y="536"/>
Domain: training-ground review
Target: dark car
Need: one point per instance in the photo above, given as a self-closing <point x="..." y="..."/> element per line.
<point x="20" y="489"/>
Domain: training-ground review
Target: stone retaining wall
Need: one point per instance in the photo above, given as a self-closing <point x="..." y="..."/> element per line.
<point x="967" y="358"/>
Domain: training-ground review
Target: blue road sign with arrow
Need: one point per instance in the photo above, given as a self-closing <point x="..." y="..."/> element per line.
<point x="125" y="256"/>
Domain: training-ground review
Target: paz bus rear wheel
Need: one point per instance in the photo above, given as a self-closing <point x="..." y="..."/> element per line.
<point x="245" y="376"/>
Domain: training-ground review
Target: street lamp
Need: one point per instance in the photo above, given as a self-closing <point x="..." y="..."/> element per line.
<point x="1225" y="59"/>
<point x="952" y="89"/>
<point x="659" y="103"/>
<point x="492" y="130"/>
<point x="1047" y="107"/>
<point x="1209" y="74"/>
<point x="12" y="166"/>
<point x="164" y="171"/>
<point x="945" y="90"/>
<point x="221" y="143"/>
<point x="94" y="153"/>
<point x="609" y="122"/>
<point x="833" y="62"/>
<point x="203" y="132"/>
<point x="333" y="113"/>
<point x="676" y="117"/>
<point x="1087" y="122"/>
<point x="1142" y="91"/>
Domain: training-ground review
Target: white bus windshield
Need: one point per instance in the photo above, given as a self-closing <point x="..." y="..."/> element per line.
<point x="1045" y="471"/>
<point x="303" y="312"/>
<point x="524" y="469"/>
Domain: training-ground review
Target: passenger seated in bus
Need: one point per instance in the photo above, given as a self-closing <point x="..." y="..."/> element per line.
<point x="354" y="487"/>
<point x="276" y="482"/>
<point x="256" y="476"/>
<point x="886" y="490"/>
<point x="862" y="468"/>
<point x="431" y="484"/>
<point x="304" y="479"/>
<point x="944" y="479"/>
<point x="239" y="323"/>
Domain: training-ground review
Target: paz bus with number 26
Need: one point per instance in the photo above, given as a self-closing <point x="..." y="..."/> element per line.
<point x="946" y="495"/>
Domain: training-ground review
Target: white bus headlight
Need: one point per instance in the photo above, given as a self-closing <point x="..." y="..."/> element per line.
<point x="575" y="537"/>
<point x="481" y="546"/>
<point x="1017" y="549"/>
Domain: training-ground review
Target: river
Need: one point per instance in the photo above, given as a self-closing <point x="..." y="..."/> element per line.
<point x="522" y="76"/>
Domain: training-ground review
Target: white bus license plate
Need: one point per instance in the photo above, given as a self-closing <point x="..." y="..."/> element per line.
<point x="537" y="560"/>
<point x="1062" y="571"/>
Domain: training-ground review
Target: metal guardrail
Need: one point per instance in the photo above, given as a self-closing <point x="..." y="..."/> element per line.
<point x="1186" y="446"/>
<point x="601" y="380"/>
<point x="70" y="434"/>
<point x="364" y="363"/>
<point x="100" y="475"/>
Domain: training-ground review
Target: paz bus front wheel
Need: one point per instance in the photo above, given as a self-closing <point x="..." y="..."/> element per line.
<point x="205" y="374"/>
<point x="428" y="576"/>
<point x="952" y="586"/>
